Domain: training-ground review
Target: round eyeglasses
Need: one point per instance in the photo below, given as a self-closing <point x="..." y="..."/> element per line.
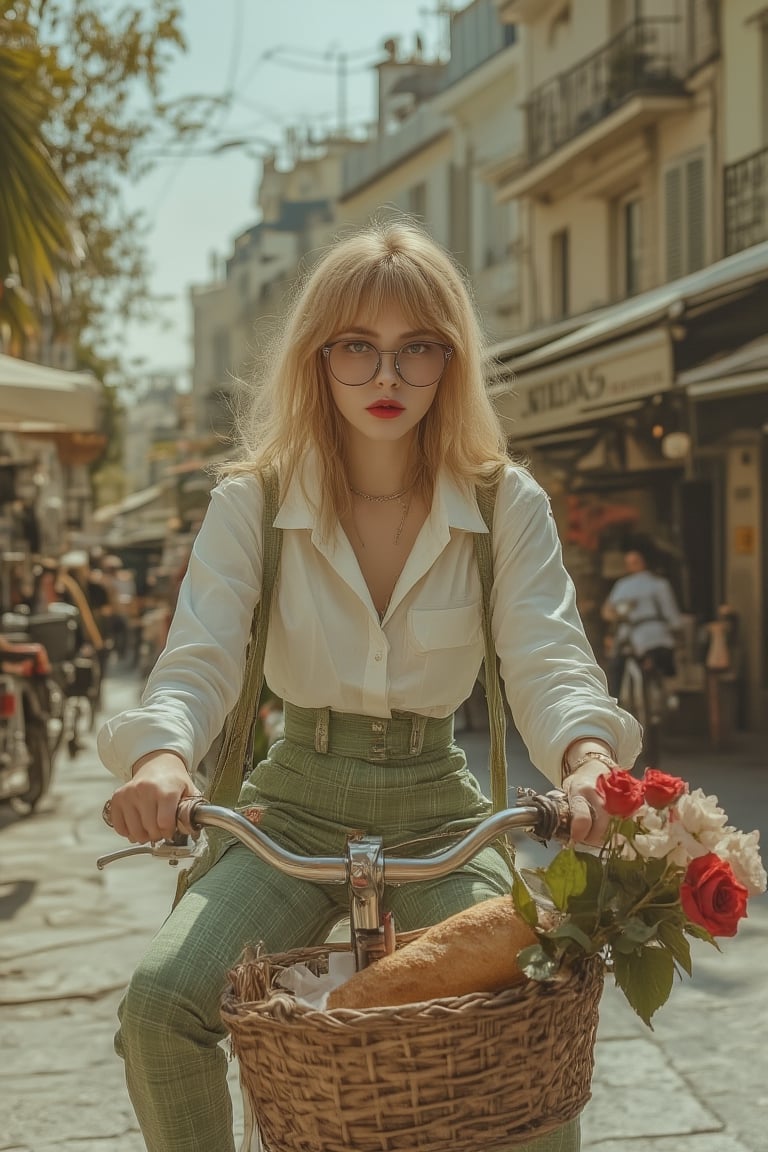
<point x="420" y="363"/>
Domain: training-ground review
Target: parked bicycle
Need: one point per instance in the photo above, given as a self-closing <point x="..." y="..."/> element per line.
<point x="641" y="685"/>
<point x="488" y="1114"/>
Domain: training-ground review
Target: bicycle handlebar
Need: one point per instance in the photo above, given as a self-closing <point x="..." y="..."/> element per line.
<point x="542" y="816"/>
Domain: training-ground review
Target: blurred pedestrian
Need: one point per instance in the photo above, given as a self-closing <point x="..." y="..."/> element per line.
<point x="643" y="611"/>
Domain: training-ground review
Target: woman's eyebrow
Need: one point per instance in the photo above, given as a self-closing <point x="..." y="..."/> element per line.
<point x="404" y="336"/>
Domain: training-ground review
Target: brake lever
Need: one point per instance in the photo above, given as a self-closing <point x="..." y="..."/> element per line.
<point x="181" y="847"/>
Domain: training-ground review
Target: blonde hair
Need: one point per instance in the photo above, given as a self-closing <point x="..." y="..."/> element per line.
<point x="292" y="409"/>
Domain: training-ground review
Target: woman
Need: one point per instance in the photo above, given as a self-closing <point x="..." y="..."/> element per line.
<point x="376" y="416"/>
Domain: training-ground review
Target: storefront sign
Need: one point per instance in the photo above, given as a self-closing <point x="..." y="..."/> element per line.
<point x="587" y="386"/>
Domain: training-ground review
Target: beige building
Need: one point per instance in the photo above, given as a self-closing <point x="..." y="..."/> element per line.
<point x="619" y="186"/>
<point x="443" y="133"/>
<point x="248" y="290"/>
<point x="637" y="389"/>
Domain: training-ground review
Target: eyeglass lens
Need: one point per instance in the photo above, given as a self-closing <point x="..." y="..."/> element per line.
<point x="356" y="362"/>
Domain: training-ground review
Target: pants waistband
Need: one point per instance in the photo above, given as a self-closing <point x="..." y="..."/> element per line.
<point x="373" y="738"/>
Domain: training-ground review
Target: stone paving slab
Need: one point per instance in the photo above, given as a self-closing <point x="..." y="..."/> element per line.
<point x="717" y="1142"/>
<point x="637" y="1093"/>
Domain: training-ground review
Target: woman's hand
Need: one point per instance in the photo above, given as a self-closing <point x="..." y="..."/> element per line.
<point x="145" y="808"/>
<point x="589" y="820"/>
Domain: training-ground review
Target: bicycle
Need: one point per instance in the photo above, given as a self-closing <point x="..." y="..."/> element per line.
<point x="365" y="870"/>
<point x="641" y="690"/>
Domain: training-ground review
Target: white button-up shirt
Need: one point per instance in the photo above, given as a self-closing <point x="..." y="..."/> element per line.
<point x="326" y="646"/>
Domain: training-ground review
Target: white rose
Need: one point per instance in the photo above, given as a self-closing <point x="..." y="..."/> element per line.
<point x="741" y="851"/>
<point x="702" y="817"/>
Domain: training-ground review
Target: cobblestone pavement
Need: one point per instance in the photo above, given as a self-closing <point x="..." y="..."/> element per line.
<point x="70" y="936"/>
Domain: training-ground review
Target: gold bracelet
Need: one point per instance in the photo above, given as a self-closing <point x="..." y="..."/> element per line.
<point x="569" y="769"/>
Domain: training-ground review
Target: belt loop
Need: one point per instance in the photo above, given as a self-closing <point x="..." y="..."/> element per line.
<point x="418" y="728"/>
<point x="377" y="749"/>
<point x="322" y="722"/>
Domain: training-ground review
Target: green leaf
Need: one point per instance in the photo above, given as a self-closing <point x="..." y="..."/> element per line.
<point x="568" y="930"/>
<point x="637" y="930"/>
<point x="645" y="977"/>
<point x="566" y="876"/>
<point x="536" y="963"/>
<point x="671" y="935"/>
<point x="628" y="878"/>
<point x="523" y="901"/>
<point x="700" y="933"/>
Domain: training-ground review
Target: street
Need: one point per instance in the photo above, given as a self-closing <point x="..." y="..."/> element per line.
<point x="71" y="936"/>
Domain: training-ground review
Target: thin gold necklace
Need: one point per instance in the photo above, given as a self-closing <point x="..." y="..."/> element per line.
<point x="405" y="506"/>
<point x="382" y="499"/>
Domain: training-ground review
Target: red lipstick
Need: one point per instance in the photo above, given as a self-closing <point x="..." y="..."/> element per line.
<point x="386" y="409"/>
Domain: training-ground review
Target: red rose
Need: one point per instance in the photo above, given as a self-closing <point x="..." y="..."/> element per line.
<point x="620" y="792"/>
<point x="661" y="789"/>
<point x="712" y="896"/>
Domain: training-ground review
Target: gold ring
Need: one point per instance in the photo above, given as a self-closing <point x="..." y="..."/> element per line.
<point x="106" y="813"/>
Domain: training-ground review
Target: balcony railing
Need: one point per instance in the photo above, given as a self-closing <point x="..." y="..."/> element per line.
<point x="650" y="56"/>
<point x="746" y="202"/>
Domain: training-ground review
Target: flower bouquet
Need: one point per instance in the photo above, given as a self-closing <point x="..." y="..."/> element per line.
<point x="670" y="868"/>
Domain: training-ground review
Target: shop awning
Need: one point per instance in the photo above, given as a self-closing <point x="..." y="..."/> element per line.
<point x="745" y="370"/>
<point x="669" y="302"/>
<point x="38" y="399"/>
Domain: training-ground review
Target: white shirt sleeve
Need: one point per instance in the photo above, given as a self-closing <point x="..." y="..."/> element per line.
<point x="196" y="680"/>
<point x="556" y="690"/>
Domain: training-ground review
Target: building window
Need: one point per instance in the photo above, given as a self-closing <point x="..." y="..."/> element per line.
<point x="631" y="246"/>
<point x="496" y="229"/>
<point x="560" y="275"/>
<point x="685" y="217"/>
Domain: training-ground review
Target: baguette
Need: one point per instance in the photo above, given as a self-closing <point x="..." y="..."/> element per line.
<point x="472" y="951"/>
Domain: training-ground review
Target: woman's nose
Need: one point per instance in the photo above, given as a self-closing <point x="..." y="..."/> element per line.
<point x="387" y="373"/>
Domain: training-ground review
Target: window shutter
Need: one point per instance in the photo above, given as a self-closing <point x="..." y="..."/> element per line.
<point x="673" y="215"/>
<point x="695" y="222"/>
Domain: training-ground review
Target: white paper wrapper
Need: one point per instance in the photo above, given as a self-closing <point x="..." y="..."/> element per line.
<point x="313" y="991"/>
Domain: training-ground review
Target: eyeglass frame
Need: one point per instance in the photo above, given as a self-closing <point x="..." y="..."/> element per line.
<point x="447" y="350"/>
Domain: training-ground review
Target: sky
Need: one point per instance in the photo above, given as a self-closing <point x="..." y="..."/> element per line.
<point x="196" y="205"/>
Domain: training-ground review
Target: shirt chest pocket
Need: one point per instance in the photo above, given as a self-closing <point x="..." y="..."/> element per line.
<point x="430" y="629"/>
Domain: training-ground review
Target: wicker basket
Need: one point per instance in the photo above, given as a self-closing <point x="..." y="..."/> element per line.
<point x="489" y="1070"/>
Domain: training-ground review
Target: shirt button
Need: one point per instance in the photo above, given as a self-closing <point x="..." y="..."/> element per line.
<point x="377" y="656"/>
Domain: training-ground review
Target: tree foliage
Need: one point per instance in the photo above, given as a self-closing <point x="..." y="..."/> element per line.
<point x="99" y="70"/>
<point x="37" y="235"/>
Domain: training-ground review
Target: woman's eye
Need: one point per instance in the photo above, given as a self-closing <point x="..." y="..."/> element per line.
<point x="357" y="347"/>
<point x="416" y="349"/>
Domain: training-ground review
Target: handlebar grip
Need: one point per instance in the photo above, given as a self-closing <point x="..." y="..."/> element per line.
<point x="185" y="816"/>
<point x="554" y="814"/>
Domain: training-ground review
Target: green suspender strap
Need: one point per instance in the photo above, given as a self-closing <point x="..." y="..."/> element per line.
<point x="231" y="765"/>
<point x="486" y="502"/>
<point x="232" y="762"/>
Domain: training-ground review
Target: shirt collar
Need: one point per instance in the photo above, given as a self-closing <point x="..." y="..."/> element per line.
<point x="454" y="504"/>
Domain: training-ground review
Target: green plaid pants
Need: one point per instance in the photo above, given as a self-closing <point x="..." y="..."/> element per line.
<point x="330" y="776"/>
